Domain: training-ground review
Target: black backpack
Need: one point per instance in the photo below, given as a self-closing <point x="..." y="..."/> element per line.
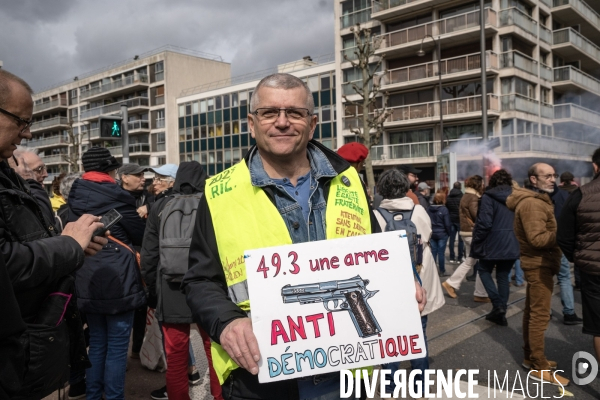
<point x="400" y="220"/>
<point x="177" y="220"/>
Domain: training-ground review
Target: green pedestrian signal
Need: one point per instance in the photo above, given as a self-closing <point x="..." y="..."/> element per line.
<point x="110" y="127"/>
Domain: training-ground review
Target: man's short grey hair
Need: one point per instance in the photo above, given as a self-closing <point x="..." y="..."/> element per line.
<point x="282" y="81"/>
<point x="5" y="80"/>
<point x="23" y="149"/>
<point x="393" y="184"/>
<point x="67" y="183"/>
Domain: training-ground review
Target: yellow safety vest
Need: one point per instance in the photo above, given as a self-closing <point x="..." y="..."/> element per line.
<point x="244" y="218"/>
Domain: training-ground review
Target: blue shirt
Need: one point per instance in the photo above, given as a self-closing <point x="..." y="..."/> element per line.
<point x="300" y="192"/>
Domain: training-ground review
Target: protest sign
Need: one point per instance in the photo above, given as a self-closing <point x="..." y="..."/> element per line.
<point x="324" y="306"/>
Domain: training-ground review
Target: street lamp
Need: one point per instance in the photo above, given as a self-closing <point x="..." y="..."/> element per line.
<point x="421" y="53"/>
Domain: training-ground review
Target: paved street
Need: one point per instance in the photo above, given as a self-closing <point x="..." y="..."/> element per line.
<point x="459" y="338"/>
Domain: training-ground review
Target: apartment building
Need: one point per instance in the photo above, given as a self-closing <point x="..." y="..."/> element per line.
<point x="213" y="118"/>
<point x="147" y="83"/>
<point x="542" y="65"/>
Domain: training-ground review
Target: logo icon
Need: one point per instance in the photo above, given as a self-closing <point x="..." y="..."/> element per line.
<point x="581" y="367"/>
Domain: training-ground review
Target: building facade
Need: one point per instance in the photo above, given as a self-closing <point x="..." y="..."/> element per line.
<point x="148" y="84"/>
<point x="542" y="66"/>
<point x="213" y="118"/>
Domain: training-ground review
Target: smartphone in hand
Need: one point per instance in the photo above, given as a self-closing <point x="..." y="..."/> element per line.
<point x="108" y="219"/>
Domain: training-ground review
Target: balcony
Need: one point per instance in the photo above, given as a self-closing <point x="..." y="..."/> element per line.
<point x="402" y="151"/>
<point x="453" y="30"/>
<point x="56" y="122"/>
<point x="56" y="159"/>
<point x="135" y="104"/>
<point x="577" y="12"/>
<point x="516" y="59"/>
<point x="129" y="83"/>
<point x="463" y="67"/>
<point x="53" y="105"/>
<point x="348" y="89"/>
<point x="575" y="113"/>
<point x="571" y="79"/>
<point x="357" y="17"/>
<point x="116" y="151"/>
<point x="139" y="148"/>
<point x="530" y="142"/>
<point x="141" y="125"/>
<point x="160" y="123"/>
<point x="51" y="141"/>
<point x="453" y="109"/>
<point x="515" y="17"/>
<point x="571" y="45"/>
<point x="517" y="102"/>
<point x="545" y="35"/>
<point x="385" y="10"/>
<point x="94" y="133"/>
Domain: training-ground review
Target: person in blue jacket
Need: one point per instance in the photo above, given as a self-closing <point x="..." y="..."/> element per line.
<point x="495" y="244"/>
<point x="109" y="285"/>
<point x="441" y="227"/>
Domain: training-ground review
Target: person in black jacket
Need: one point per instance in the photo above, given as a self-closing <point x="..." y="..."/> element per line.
<point x="441" y="230"/>
<point x="172" y="310"/>
<point x="109" y="285"/>
<point x="577" y="236"/>
<point x="559" y="198"/>
<point x="453" y="205"/>
<point x="495" y="244"/>
<point x="36" y="257"/>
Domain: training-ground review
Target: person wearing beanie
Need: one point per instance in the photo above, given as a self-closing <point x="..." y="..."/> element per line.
<point x="109" y="285"/>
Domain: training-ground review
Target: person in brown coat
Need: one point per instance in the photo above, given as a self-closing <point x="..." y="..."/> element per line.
<point x="535" y="228"/>
<point x="468" y="214"/>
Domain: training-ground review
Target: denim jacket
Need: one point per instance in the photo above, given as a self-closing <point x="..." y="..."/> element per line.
<point x="291" y="212"/>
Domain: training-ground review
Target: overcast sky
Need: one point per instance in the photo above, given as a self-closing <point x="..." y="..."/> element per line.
<point x="49" y="41"/>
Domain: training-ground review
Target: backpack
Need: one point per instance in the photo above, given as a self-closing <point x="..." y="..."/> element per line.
<point x="400" y="220"/>
<point x="177" y="221"/>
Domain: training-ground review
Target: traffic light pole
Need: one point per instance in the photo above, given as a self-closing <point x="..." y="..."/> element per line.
<point x="125" y="133"/>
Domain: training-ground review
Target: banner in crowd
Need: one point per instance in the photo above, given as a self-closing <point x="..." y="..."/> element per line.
<point x="324" y="306"/>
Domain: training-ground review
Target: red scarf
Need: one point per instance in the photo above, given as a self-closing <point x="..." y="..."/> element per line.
<point x="95" y="176"/>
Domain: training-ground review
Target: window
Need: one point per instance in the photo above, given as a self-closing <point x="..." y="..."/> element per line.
<point x="226" y="101"/>
<point x="325" y="82"/>
<point x="211" y="104"/>
<point x="73" y="93"/>
<point x="195" y="107"/>
<point x="188" y="109"/>
<point x="243" y="98"/>
<point x="422" y="96"/>
<point x="313" y="83"/>
<point x="234" y="99"/>
<point x="160" y="142"/>
<point x="507" y="127"/>
<point x="182" y="110"/>
<point x="161" y="160"/>
<point x="325" y="114"/>
<point x="203" y="106"/>
<point x="519" y="86"/>
<point x="422" y="135"/>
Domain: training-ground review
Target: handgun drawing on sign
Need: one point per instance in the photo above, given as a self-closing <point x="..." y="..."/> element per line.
<point x="342" y="295"/>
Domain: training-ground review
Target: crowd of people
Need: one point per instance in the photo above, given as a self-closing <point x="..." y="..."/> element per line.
<point x="62" y="270"/>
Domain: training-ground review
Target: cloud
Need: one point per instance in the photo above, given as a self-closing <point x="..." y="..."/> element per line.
<point x="48" y="42"/>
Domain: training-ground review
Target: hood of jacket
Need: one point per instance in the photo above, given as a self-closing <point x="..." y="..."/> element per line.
<point x="472" y="191"/>
<point x="190" y="177"/>
<point x="500" y="193"/>
<point x="97" y="197"/>
<point x="455" y="193"/>
<point x="401" y="204"/>
<point x="520" y="194"/>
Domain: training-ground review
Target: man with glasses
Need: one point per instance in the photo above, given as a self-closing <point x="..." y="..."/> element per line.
<point x="30" y="167"/>
<point x="36" y="258"/>
<point x="535" y="228"/>
<point x="283" y="191"/>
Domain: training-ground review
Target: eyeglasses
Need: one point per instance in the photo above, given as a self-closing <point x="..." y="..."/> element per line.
<point x="40" y="170"/>
<point x="157" y="178"/>
<point x="271" y="114"/>
<point x="20" y="121"/>
<point x="548" y="177"/>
